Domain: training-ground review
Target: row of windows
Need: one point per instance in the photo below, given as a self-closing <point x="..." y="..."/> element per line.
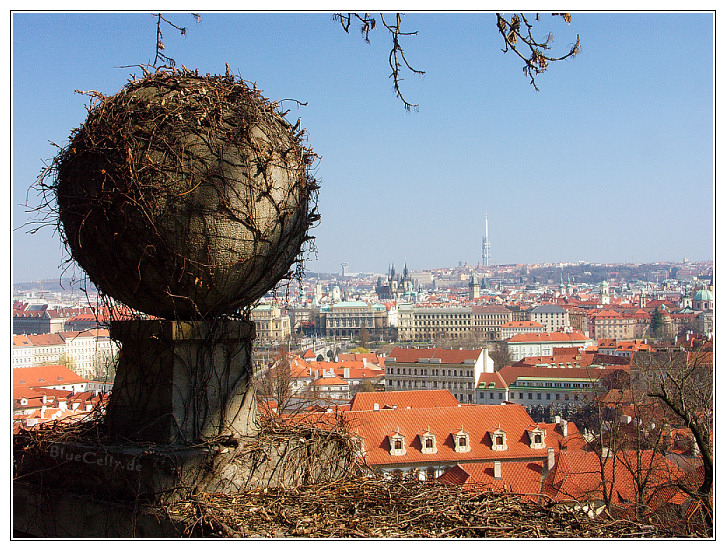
<point x="434" y="372"/>
<point x="444" y="322"/>
<point x="533" y="396"/>
<point x="451" y="385"/>
<point x="558" y="384"/>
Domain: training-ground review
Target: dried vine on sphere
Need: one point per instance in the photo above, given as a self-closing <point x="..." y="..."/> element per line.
<point x="138" y="176"/>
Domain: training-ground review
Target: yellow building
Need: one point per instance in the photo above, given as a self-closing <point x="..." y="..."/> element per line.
<point x="270" y="324"/>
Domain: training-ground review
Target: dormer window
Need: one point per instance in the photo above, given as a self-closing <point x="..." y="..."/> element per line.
<point x="536" y="437"/>
<point x="499" y="439"/>
<point x="428" y="442"/>
<point x="461" y="441"/>
<point x="397" y="443"/>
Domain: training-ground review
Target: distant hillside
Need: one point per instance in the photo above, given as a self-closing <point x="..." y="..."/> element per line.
<point x="55" y="285"/>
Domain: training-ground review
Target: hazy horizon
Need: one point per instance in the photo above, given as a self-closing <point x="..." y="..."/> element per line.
<point x="612" y="161"/>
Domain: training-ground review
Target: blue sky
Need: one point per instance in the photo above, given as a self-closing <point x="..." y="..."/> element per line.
<point x="611" y="161"/>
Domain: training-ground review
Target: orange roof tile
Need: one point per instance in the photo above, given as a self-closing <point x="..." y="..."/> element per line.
<point x="330" y="381"/>
<point x="577" y="475"/>
<point x="555" y="336"/>
<point x="476" y="420"/>
<point x="403" y="399"/>
<point x="44" y="376"/>
<point x="518" y="477"/>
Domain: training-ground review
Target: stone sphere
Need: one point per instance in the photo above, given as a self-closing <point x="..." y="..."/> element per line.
<point x="185" y="197"/>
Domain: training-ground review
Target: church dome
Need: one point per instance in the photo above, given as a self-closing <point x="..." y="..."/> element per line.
<point x="703" y="295"/>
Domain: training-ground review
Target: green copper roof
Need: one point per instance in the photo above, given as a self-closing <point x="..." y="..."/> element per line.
<point x="350" y="304"/>
<point x="703" y="294"/>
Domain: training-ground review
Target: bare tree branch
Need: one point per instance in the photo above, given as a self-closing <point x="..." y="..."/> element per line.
<point x="396" y="58"/>
<point x="160" y="55"/>
<point x="518" y="38"/>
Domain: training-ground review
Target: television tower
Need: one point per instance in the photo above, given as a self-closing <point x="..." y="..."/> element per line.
<point x="485" y="242"/>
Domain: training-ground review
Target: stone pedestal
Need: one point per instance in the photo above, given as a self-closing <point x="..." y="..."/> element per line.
<point x="181" y="420"/>
<point x="182" y="382"/>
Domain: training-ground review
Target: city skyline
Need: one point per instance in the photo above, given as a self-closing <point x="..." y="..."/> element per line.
<point x="611" y="161"/>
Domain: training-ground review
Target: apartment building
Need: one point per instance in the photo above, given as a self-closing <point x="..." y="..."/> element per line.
<point x="487" y="321"/>
<point x="531" y="386"/>
<point x="609" y="324"/>
<point x="552" y="316"/>
<point x="542" y="344"/>
<point x="437" y="369"/>
<point x="418" y="323"/>
<point x="36" y="350"/>
<point x="512" y="328"/>
<point x="88" y="353"/>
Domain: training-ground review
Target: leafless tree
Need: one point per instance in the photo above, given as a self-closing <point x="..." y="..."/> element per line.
<point x="683" y="382"/>
<point x="517" y="32"/>
<point x="632" y="441"/>
<point x="276" y="383"/>
<point x="499" y="353"/>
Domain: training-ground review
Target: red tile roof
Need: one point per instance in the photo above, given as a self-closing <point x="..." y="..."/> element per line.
<point x="369" y="357"/>
<point x="46" y="339"/>
<point x="491" y="380"/>
<point x="330" y="381"/>
<point x="607" y="314"/>
<point x="519" y="477"/>
<point x="21" y="340"/>
<point x="577" y="475"/>
<point x="86" y="333"/>
<point x="555" y="336"/>
<point x="25" y="378"/>
<point x="403" y="399"/>
<point x="476" y="420"/>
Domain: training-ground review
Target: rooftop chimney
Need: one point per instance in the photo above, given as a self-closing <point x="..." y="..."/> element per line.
<point x="563" y="426"/>
<point x="498" y="470"/>
<point x="376" y="407"/>
<point x="550" y="459"/>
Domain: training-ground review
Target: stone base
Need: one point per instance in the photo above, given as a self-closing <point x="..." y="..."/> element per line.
<point x="182" y="382"/>
<point x="78" y="490"/>
<point x="55" y="514"/>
